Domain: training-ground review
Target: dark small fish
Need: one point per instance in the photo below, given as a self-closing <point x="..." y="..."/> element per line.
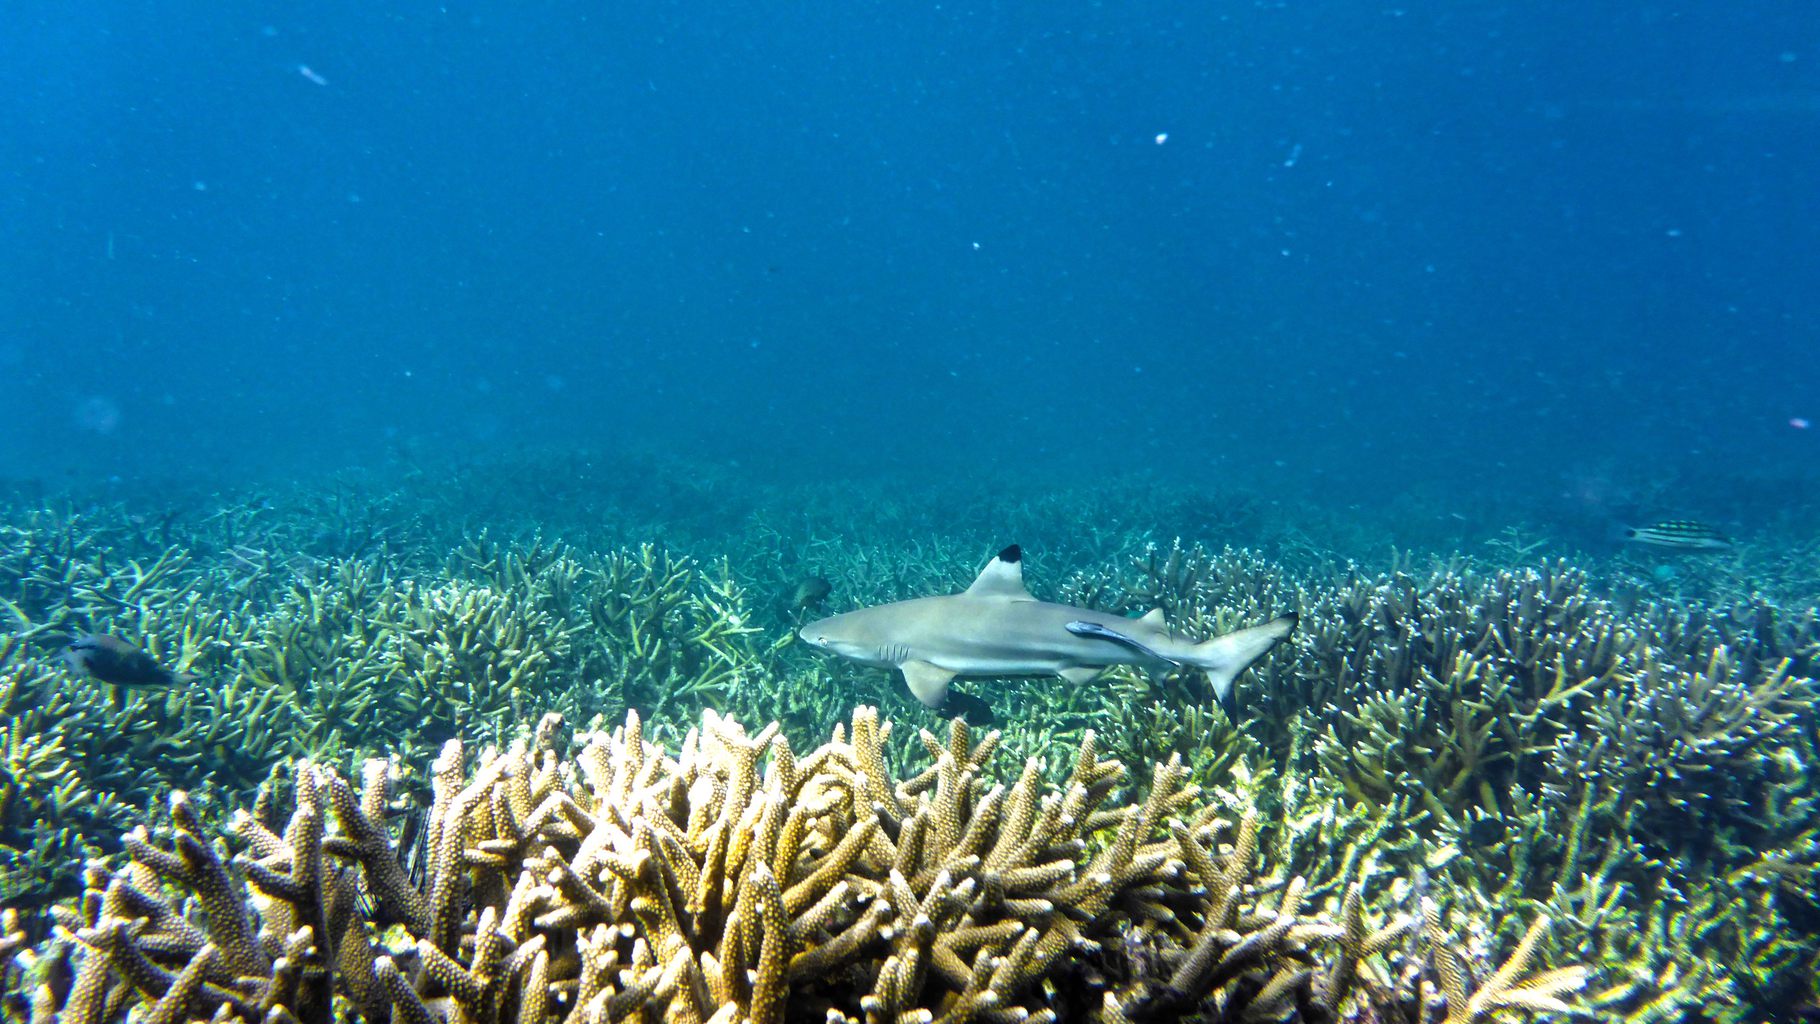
<point x="1679" y="535"/>
<point x="118" y="663"/>
<point x="1095" y="631"/>
<point x="969" y="707"/>
<point x="810" y="593"/>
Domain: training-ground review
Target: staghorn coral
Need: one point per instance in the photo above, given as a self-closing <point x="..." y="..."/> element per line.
<point x="1455" y="689"/>
<point x="322" y="653"/>
<point x="1476" y="696"/>
<point x="1531" y="744"/>
<point x="76" y="762"/>
<point x="1453" y="770"/>
<point x="329" y="658"/>
<point x="1508" y="988"/>
<point x="1674" y="741"/>
<point x="665" y="630"/>
<point x="1477" y="674"/>
<point x="736" y="880"/>
<point x="465" y="656"/>
<point x="360" y="660"/>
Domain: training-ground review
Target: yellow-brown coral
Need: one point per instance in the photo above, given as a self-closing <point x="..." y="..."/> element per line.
<point x="731" y="881"/>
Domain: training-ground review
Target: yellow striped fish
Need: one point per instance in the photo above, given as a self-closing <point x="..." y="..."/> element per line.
<point x="1679" y="535"/>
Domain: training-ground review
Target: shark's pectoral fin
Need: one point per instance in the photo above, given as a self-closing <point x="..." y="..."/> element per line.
<point x="1077" y="676"/>
<point x="928" y="683"/>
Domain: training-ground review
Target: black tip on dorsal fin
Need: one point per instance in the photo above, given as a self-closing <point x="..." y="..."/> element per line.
<point x="1011" y="554"/>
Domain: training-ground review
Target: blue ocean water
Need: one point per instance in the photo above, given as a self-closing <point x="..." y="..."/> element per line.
<point x="1313" y="249"/>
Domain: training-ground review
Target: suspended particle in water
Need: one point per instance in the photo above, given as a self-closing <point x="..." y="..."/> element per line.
<point x="97" y="415"/>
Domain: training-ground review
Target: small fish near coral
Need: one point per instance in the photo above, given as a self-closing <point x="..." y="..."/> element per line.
<point x="810" y="593"/>
<point x="118" y="663"/>
<point x="1679" y="535"/>
<point x="995" y="628"/>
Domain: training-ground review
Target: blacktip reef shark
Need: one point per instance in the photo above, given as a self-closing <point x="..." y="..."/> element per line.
<point x="995" y="628"/>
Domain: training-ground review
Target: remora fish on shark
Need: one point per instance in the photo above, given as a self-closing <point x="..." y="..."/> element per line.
<point x="995" y="628"/>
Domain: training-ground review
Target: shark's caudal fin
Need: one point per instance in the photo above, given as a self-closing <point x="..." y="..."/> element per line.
<point x="1224" y="657"/>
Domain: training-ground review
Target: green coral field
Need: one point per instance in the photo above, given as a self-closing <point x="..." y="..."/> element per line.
<point x="1498" y="772"/>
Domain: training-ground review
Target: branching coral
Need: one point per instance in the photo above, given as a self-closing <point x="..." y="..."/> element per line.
<point x="466" y="656"/>
<point x="322" y="653"/>
<point x="1547" y="747"/>
<point x="734" y="880"/>
<point x="1676" y="741"/>
<point x="664" y="630"/>
<point x="1508" y="988"/>
<point x="1529" y="742"/>
<point x="73" y="763"/>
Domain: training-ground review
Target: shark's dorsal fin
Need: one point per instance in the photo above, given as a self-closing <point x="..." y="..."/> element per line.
<point x="1003" y="577"/>
<point x="1153" y="617"/>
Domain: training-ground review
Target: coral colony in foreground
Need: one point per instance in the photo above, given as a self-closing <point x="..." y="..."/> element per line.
<point x="735" y="880"/>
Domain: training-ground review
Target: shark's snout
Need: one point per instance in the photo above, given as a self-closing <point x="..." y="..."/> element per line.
<point x="837" y="634"/>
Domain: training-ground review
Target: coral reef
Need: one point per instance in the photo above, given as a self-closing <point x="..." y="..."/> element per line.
<point x="735" y="880"/>
<point x="336" y="656"/>
<point x="1527" y="743"/>
<point x="1621" y="750"/>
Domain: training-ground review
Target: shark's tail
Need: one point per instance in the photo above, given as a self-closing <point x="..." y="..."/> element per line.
<point x="1224" y="657"/>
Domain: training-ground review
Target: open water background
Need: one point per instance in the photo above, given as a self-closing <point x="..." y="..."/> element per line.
<point x="1331" y="251"/>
